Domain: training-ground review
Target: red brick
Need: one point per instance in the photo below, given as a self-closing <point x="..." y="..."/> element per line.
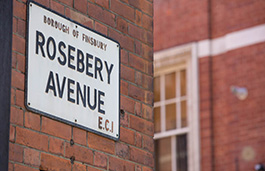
<point x="118" y="164"/>
<point x="14" y="25"/>
<point x="53" y="163"/>
<point x="12" y="132"/>
<point x="57" y="7"/>
<point x="18" y="44"/>
<point x="19" y="10"/>
<point x="140" y="94"/>
<point x="125" y="41"/>
<point x="147" y="168"/>
<point x="146" y="52"/>
<point x="127" y="104"/>
<point x="124" y="119"/>
<point x="31" y="139"/>
<point x="13" y="95"/>
<point x="140" y="64"/>
<point x="103" y="3"/>
<point x="21" y="28"/>
<point x="15" y="152"/>
<point x="101" y="143"/>
<point x="80" y="153"/>
<point x="127" y="73"/>
<point x="10" y="166"/>
<point x="138" y="108"/>
<point x="20" y="98"/>
<point x="89" y="168"/>
<point x="82" y="19"/>
<point x="147" y="82"/>
<point x="138" y="139"/>
<point x="100" y="160"/>
<point x="101" y="14"/>
<point x="147" y="112"/>
<point x="32" y="121"/>
<point x="147" y="22"/>
<point x="138" y="78"/>
<point x="17" y="80"/>
<point x="122" y="25"/>
<point x="122" y="150"/>
<point x="141" y="125"/>
<point x="79" y="136"/>
<point x="138" y="168"/>
<point x="44" y="2"/>
<point x="21" y="63"/>
<point x="141" y="156"/>
<point x="67" y="2"/>
<point x="124" y="57"/>
<point x="148" y="143"/>
<point x="56" y="146"/>
<point x="122" y="9"/>
<point x="19" y="167"/>
<point x="127" y="136"/>
<point x="79" y="167"/>
<point x="56" y="128"/>
<point x="101" y="28"/>
<point x="143" y="5"/>
<point x="138" y="15"/>
<point x="124" y="87"/>
<point x="14" y="60"/>
<point x="81" y="5"/>
<point x="16" y="116"/>
<point x="31" y="157"/>
<point x="137" y="32"/>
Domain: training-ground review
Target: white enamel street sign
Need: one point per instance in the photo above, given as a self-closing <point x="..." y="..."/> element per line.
<point x="73" y="73"/>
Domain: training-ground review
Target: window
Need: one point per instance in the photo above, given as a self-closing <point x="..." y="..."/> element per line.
<point x="176" y="111"/>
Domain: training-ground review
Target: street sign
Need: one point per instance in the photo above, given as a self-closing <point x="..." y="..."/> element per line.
<point x="73" y="73"/>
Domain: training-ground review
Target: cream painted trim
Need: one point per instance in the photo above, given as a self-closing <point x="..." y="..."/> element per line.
<point x="172" y="58"/>
<point x="232" y="41"/>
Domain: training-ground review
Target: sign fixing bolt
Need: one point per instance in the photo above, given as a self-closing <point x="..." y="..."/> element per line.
<point x="72" y="142"/>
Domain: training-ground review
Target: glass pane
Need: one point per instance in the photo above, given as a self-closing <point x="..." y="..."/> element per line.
<point x="183" y="82"/>
<point x="184" y="122"/>
<point x="182" y="154"/>
<point x="171" y="116"/>
<point x="157" y="89"/>
<point x="157" y="119"/>
<point x="163" y="154"/>
<point x="170" y="83"/>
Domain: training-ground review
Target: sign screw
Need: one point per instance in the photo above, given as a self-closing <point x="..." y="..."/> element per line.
<point x="117" y="135"/>
<point x="29" y="104"/>
<point x="72" y="142"/>
<point x="72" y="158"/>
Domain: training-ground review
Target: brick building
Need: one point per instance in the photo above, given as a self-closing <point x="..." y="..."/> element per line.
<point x="39" y="142"/>
<point x="209" y="84"/>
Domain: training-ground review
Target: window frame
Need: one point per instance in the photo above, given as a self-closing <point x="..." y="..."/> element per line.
<point x="172" y="60"/>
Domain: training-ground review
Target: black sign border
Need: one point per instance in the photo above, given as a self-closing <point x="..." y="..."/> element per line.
<point x="26" y="74"/>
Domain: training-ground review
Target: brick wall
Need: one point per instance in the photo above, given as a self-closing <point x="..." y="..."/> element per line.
<point x="231" y="136"/>
<point x="40" y="143"/>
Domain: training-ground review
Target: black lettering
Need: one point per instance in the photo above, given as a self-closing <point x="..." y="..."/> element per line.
<point x="48" y="48"/>
<point x="98" y="68"/>
<point x="79" y="93"/>
<point x="70" y="57"/>
<point x="88" y="65"/>
<point x="100" y="102"/>
<point x="40" y="43"/>
<point x="70" y="90"/>
<point x="108" y="70"/>
<point x="80" y="61"/>
<point x="51" y="84"/>
<point x="62" y="61"/>
<point x="60" y="88"/>
<point x="92" y="107"/>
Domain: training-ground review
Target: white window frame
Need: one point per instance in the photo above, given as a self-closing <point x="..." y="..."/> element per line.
<point x="171" y="60"/>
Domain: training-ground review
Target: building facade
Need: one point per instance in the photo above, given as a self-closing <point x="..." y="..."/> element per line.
<point x="208" y="87"/>
<point x="38" y="142"/>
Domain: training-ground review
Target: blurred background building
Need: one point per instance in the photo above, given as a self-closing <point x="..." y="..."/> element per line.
<point x="209" y="85"/>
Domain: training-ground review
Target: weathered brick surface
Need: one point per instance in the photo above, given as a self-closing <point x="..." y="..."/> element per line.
<point x="41" y="143"/>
